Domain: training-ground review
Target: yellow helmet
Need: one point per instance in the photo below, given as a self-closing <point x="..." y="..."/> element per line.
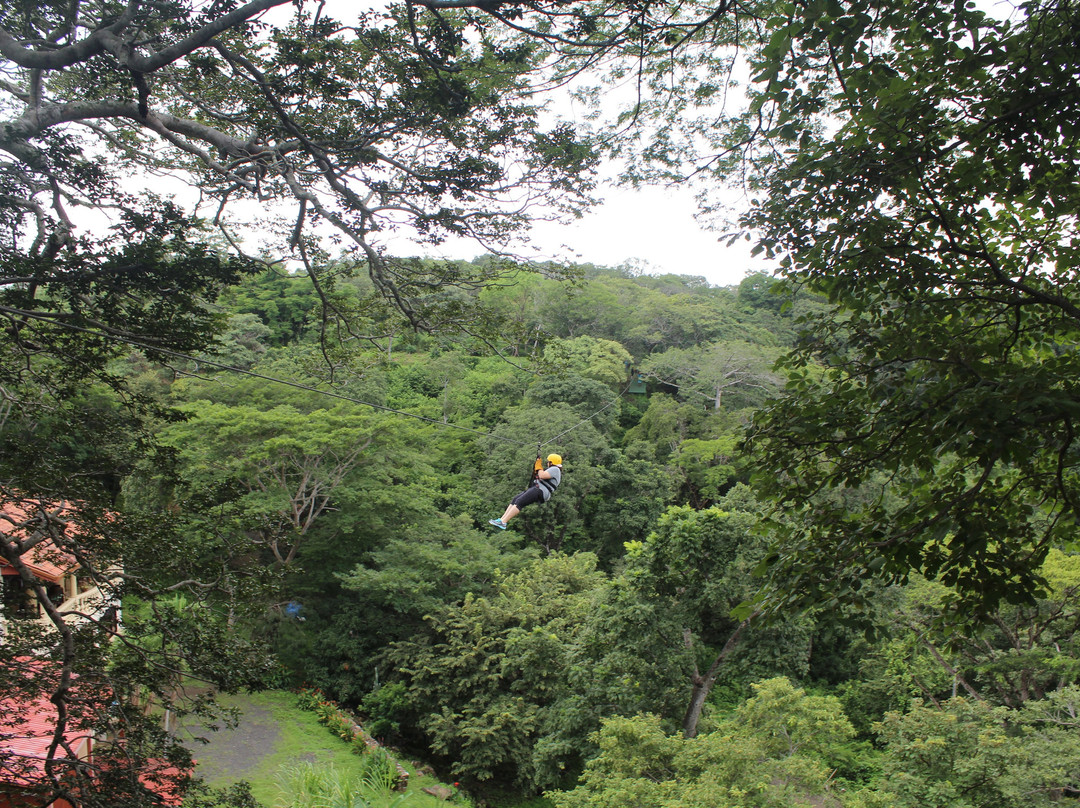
<point x="554" y="460"/>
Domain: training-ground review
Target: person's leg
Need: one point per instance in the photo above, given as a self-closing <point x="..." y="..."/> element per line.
<point x="526" y="497"/>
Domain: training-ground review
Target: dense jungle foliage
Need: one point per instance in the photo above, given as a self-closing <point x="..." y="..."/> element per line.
<point x="859" y="592"/>
<point x="599" y="638"/>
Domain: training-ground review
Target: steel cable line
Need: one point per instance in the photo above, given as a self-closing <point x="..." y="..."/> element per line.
<point x="221" y="366"/>
<point x="585" y="421"/>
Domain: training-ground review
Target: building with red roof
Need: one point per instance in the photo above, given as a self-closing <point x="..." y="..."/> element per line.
<point x="35" y="756"/>
<point x="27" y="733"/>
<point x="41" y="752"/>
<point x="70" y="588"/>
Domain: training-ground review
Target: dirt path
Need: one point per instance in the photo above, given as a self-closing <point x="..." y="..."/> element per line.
<point x="236" y="753"/>
<point x="272" y="736"/>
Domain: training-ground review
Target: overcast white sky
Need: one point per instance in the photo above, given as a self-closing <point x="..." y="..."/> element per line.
<point x="655" y="227"/>
<point x="652" y="227"/>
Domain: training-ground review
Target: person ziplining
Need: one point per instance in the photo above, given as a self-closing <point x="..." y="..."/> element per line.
<point x="541" y="487"/>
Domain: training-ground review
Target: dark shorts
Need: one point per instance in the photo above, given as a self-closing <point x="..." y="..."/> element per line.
<point x="528" y="497"/>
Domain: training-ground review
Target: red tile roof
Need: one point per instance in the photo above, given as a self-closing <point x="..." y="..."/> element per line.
<point x="28" y="734"/>
<point x="44" y="559"/>
<point x="27" y="727"/>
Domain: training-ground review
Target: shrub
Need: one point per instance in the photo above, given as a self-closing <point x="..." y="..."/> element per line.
<point x="309" y="699"/>
<point x="307" y="785"/>
<point x="384" y="709"/>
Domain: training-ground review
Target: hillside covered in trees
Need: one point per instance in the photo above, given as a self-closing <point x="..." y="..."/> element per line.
<point x="815" y="542"/>
<point x="609" y="646"/>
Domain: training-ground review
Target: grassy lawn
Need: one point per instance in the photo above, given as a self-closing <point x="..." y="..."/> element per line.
<point x="274" y="732"/>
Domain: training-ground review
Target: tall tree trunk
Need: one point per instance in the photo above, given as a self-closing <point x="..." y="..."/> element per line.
<point x="702" y="685"/>
<point x="952" y="670"/>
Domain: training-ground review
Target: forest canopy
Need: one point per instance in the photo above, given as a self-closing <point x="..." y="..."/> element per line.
<point x="841" y="498"/>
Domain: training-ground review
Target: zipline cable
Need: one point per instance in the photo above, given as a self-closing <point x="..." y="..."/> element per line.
<point x="221" y="366"/>
<point x="575" y="426"/>
<point x="252" y="373"/>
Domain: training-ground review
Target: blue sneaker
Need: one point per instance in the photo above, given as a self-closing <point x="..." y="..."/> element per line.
<point x="499" y="523"/>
